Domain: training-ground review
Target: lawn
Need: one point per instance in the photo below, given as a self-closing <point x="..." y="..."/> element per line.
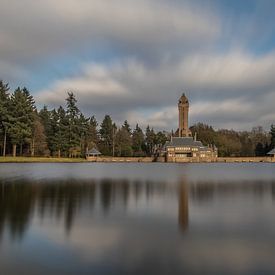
<point x="39" y="159"/>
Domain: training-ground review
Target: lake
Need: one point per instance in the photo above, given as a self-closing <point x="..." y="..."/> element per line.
<point x="137" y="218"/>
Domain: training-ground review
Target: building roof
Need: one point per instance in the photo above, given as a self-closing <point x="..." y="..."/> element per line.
<point x="183" y="99"/>
<point x="93" y="152"/>
<point x="183" y="141"/>
<point x="272" y="152"/>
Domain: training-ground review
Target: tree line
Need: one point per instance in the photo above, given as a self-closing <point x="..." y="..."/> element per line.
<point x="230" y="143"/>
<point x="67" y="132"/>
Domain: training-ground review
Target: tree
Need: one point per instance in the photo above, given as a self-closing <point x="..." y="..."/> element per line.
<point x="61" y="133"/>
<point x="22" y="110"/>
<point x="84" y="132"/>
<point x="92" y="136"/>
<point x="127" y="127"/>
<point x="73" y="115"/>
<point x="124" y="141"/>
<point x="138" y="141"/>
<point x="38" y="144"/>
<point x="272" y="133"/>
<point x="160" y="139"/>
<point x="4" y="112"/>
<point x="46" y="119"/>
<point x="149" y="140"/>
<point x="106" y="136"/>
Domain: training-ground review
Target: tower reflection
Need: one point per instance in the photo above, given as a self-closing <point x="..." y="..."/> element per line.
<point x="183" y="211"/>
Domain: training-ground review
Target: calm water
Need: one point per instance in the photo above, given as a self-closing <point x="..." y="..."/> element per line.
<point x="137" y="219"/>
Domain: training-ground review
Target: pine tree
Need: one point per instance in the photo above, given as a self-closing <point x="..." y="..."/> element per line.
<point x="4" y="112"/>
<point x="160" y="139"/>
<point x="127" y="127"/>
<point x="73" y="115"/>
<point x="149" y="140"/>
<point x="272" y="133"/>
<point x="92" y="135"/>
<point x="84" y="132"/>
<point x="62" y="135"/>
<point x="22" y="112"/>
<point x="138" y="141"/>
<point x="39" y="143"/>
<point x="124" y="141"/>
<point x="106" y="136"/>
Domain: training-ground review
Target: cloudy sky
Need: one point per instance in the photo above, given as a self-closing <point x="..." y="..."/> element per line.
<point x="132" y="59"/>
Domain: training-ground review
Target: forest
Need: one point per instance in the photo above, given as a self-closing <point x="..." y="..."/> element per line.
<point x="67" y="132"/>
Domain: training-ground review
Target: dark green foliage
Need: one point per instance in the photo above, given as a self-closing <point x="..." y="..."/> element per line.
<point x="160" y="139"/>
<point x="74" y="125"/>
<point x="22" y="113"/>
<point x="4" y="115"/>
<point x="272" y="133"/>
<point x="123" y="141"/>
<point x="107" y="133"/>
<point x="150" y="138"/>
<point x="138" y="143"/>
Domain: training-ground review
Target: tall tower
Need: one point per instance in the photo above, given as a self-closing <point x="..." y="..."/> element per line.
<point x="183" y="106"/>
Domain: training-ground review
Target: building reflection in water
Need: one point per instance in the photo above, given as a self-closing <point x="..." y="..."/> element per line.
<point x="183" y="214"/>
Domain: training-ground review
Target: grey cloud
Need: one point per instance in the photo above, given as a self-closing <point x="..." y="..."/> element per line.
<point x="132" y="90"/>
<point x="34" y="30"/>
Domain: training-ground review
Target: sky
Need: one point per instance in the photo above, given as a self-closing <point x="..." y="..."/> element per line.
<point x="132" y="59"/>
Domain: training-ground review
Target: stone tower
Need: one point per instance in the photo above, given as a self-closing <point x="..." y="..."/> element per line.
<point x="183" y="106"/>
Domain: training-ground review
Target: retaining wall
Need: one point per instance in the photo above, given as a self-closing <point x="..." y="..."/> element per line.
<point x="120" y="159"/>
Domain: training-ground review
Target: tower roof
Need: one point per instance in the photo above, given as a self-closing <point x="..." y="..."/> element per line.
<point x="183" y="98"/>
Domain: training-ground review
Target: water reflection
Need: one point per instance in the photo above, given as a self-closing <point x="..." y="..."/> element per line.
<point x="63" y="200"/>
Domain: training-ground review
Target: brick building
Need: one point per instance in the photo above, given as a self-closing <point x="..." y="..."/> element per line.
<point x="184" y="147"/>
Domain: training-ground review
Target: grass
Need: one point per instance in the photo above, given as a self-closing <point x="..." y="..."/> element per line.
<point x="39" y="159"/>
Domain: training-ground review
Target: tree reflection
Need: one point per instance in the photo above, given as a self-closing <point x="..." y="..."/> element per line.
<point x="63" y="200"/>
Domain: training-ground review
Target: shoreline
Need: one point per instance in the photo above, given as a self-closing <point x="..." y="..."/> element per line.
<point x="134" y="160"/>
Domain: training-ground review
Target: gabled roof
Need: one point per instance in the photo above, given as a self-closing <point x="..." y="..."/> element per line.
<point x="183" y="141"/>
<point x="93" y="152"/>
<point x="272" y="152"/>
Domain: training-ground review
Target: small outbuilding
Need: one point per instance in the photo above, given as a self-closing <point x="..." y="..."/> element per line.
<point x="272" y="153"/>
<point x="93" y="153"/>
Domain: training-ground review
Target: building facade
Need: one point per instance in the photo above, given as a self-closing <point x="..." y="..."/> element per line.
<point x="183" y="106"/>
<point x="183" y="147"/>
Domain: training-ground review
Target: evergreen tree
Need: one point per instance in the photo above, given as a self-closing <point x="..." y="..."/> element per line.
<point x="61" y="134"/>
<point x="160" y="139"/>
<point x="4" y="113"/>
<point x="149" y="140"/>
<point x="259" y="150"/>
<point x="272" y="134"/>
<point x="39" y="144"/>
<point x="138" y="141"/>
<point x="22" y="110"/>
<point x="92" y="135"/>
<point x="84" y="133"/>
<point x="127" y="127"/>
<point x="73" y="115"/>
<point x="106" y="136"/>
<point x="124" y="141"/>
<point x="45" y="118"/>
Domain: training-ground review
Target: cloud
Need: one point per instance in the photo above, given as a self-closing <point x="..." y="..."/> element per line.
<point x="136" y="57"/>
<point x="224" y="90"/>
<point x="51" y="28"/>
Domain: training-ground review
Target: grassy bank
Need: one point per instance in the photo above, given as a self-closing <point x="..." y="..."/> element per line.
<point x="38" y="160"/>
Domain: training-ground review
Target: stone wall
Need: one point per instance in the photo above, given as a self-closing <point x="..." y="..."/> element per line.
<point x="246" y="159"/>
<point x="182" y="160"/>
<point x="120" y="159"/>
